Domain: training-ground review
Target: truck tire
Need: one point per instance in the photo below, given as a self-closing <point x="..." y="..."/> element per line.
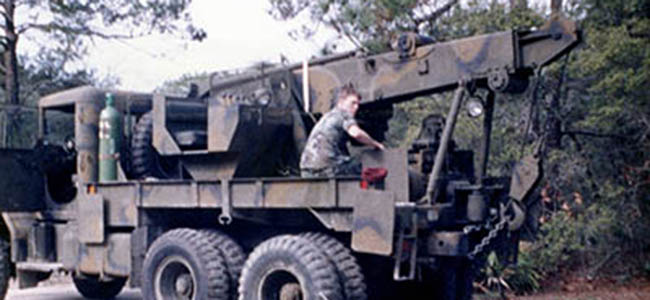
<point x="289" y="267"/>
<point x="5" y="267"/>
<point x="378" y="274"/>
<point x="183" y="264"/>
<point x="348" y="270"/>
<point x="145" y="160"/>
<point x="233" y="255"/>
<point x="93" y="288"/>
<point x="457" y="278"/>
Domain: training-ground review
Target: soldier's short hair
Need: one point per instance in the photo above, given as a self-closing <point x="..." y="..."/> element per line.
<point x="347" y="90"/>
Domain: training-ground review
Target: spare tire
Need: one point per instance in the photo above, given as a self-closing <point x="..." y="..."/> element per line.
<point x="145" y="160"/>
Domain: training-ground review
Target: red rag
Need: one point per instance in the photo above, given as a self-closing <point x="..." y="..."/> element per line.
<point x="372" y="175"/>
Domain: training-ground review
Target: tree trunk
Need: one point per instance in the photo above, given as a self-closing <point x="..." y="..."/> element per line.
<point x="10" y="65"/>
<point x="553" y="122"/>
<point x="556" y="6"/>
<point x="9" y="56"/>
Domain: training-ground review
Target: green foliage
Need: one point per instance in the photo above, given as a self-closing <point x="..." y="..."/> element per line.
<point x="521" y="279"/>
<point x="367" y="24"/>
<point x="603" y="14"/>
<point x="595" y="195"/>
<point x="481" y="17"/>
<point x="604" y="158"/>
<point x="572" y="238"/>
<point x="407" y="118"/>
<point x="496" y="273"/>
<point x="525" y="277"/>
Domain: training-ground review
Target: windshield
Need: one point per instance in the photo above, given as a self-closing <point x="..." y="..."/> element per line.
<point x="58" y="126"/>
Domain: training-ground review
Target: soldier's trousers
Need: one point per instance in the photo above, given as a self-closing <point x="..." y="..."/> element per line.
<point x="348" y="167"/>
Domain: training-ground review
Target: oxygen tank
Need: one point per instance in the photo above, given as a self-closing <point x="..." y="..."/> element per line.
<point x="110" y="138"/>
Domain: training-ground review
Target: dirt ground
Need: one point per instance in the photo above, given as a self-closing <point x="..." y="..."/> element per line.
<point x="581" y="289"/>
<point x="564" y="289"/>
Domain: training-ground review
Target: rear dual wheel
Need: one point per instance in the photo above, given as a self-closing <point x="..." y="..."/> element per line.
<point x="349" y="273"/>
<point x="233" y="256"/>
<point x="184" y="264"/>
<point x="308" y="266"/>
<point x="289" y="267"/>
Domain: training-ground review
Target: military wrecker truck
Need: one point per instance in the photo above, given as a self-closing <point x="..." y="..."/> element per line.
<point x="207" y="203"/>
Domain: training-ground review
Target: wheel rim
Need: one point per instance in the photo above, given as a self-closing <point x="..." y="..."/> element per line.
<point x="174" y="279"/>
<point x="280" y="285"/>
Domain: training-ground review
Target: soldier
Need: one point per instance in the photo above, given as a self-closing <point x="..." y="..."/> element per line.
<point x="326" y="152"/>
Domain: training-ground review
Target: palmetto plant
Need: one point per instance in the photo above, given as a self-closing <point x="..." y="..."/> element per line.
<point x="500" y="278"/>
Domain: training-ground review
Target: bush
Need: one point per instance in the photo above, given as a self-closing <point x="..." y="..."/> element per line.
<point x="522" y="278"/>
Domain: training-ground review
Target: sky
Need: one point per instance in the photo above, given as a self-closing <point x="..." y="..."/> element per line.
<point x="240" y="34"/>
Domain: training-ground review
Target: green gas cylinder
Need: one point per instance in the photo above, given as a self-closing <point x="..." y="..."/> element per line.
<point x="110" y="138"/>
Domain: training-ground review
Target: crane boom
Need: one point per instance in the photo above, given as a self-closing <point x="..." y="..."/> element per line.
<point x="502" y="61"/>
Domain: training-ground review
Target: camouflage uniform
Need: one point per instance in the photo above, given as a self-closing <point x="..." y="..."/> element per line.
<point x="326" y="153"/>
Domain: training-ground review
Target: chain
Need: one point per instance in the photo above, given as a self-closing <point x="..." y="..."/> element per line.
<point x="476" y="228"/>
<point x="487" y="239"/>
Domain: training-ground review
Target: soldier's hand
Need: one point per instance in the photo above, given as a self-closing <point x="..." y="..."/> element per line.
<point x="380" y="146"/>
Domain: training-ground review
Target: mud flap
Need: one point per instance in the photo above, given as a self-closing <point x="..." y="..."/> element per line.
<point x="117" y="255"/>
<point x="374" y="222"/>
